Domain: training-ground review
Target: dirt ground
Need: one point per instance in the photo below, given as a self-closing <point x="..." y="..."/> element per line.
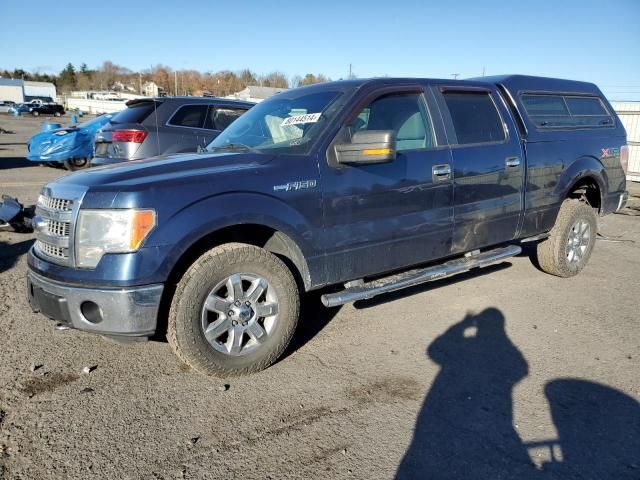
<point x="502" y="373"/>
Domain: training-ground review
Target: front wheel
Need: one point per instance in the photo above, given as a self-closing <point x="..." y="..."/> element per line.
<point x="234" y="311"/>
<point x="571" y="240"/>
<point x="57" y="114"/>
<point x="35" y="113"/>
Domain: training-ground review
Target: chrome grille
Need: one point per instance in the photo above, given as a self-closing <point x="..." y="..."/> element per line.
<point x="53" y="236"/>
<point x="59" y="204"/>
<point x="58" y="229"/>
<point x="52" y="250"/>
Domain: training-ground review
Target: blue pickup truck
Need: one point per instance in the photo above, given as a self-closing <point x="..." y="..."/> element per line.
<point x="368" y="186"/>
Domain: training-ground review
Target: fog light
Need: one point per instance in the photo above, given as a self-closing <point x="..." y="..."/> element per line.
<point x="91" y="311"/>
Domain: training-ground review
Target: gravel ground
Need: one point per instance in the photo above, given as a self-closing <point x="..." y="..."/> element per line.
<point x="502" y="373"/>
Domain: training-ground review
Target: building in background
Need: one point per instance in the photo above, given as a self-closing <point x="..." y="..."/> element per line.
<point x="629" y="113"/>
<point x="151" y="89"/>
<point x="255" y="93"/>
<point x="20" y="91"/>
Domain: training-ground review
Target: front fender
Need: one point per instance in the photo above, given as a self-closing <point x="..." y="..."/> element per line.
<point x="187" y="226"/>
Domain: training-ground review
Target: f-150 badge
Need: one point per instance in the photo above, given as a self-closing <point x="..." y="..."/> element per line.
<point x="299" y="185"/>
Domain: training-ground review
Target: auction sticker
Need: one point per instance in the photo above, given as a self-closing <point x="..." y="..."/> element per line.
<point x="299" y="119"/>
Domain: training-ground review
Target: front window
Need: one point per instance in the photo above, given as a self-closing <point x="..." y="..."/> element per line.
<point x="288" y="123"/>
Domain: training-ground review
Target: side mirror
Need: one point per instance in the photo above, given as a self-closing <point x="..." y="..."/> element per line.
<point x="368" y="146"/>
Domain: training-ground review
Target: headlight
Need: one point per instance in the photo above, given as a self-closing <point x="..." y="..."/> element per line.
<point x="110" y="231"/>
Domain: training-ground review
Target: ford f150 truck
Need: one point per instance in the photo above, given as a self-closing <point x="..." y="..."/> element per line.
<point x="365" y="185"/>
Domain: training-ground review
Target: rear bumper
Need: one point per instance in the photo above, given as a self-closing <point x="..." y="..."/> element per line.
<point x="130" y="311"/>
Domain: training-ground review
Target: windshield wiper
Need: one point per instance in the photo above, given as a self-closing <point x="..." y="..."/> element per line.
<point x="234" y="147"/>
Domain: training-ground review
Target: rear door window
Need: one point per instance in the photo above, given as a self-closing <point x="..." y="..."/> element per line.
<point x="475" y="117"/>
<point x="220" y="118"/>
<point x="192" y="116"/>
<point x="566" y="111"/>
<point x="136" y="113"/>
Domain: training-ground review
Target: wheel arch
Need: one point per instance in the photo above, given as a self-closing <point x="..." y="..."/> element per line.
<point x="585" y="179"/>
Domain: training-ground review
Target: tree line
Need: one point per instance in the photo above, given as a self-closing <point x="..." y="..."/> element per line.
<point x="110" y="76"/>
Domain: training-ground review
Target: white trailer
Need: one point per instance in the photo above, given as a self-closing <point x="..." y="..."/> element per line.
<point x="629" y="113"/>
<point x="95" y="106"/>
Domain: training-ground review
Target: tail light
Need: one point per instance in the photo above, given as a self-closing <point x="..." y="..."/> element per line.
<point x="624" y="158"/>
<point x="132" y="136"/>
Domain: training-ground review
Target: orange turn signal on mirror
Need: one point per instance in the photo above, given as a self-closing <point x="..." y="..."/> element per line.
<point x="143" y="222"/>
<point x="376" y="151"/>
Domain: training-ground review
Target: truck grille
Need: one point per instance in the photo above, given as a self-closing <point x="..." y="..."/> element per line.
<point x="60" y="204"/>
<point x="53" y="236"/>
<point x="51" y="250"/>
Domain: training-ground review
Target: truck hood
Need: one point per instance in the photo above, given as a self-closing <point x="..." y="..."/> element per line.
<point x="155" y="171"/>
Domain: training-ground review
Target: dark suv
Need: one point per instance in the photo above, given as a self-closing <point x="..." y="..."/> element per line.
<point x="46" y="109"/>
<point x="156" y="126"/>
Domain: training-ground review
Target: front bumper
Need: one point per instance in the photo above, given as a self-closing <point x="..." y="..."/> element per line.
<point x="130" y="311"/>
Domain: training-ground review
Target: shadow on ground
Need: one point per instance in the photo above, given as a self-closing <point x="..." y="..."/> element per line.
<point x="15" y="162"/>
<point x="465" y="429"/>
<point x="11" y="252"/>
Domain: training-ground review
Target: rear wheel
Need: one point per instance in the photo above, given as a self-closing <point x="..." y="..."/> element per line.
<point x="234" y="311"/>
<point x="571" y="240"/>
<point x="57" y="114"/>
<point x="35" y="113"/>
<point x="77" y="163"/>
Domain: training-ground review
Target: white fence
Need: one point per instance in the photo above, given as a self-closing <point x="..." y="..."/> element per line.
<point x="95" y="106"/>
<point x="629" y="113"/>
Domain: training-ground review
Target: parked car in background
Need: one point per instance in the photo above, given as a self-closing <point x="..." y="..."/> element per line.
<point x="166" y="125"/>
<point x="54" y="109"/>
<point x="19" y="108"/>
<point x="72" y="145"/>
<point x="6" y="105"/>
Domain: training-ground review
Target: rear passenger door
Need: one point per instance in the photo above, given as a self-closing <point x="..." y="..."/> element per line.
<point x="185" y="129"/>
<point x="218" y="118"/>
<point x="488" y="167"/>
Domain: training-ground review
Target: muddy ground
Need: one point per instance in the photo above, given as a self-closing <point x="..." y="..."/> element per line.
<point x="501" y="373"/>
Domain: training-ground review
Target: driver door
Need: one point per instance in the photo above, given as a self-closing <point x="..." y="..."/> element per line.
<point x="387" y="216"/>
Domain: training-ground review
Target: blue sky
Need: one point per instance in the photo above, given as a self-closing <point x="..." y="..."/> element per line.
<point x="597" y="41"/>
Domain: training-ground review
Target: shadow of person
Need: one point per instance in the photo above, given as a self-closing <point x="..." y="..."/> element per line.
<point x="598" y="431"/>
<point x="465" y="427"/>
<point x="11" y="252"/>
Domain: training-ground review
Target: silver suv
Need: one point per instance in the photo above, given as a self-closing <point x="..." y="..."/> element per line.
<point x="165" y="125"/>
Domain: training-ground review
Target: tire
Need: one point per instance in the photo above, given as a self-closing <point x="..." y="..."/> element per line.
<point x="77" y="164"/>
<point x="35" y="113"/>
<point x="57" y="114"/>
<point x="568" y="248"/>
<point x="207" y="279"/>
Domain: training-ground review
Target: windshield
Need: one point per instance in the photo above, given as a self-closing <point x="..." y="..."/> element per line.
<point x="287" y="123"/>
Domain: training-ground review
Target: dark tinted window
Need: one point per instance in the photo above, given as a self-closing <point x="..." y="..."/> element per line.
<point x="585" y="106"/>
<point x="189" y="116"/>
<point x="220" y="117"/>
<point x="545" y="105"/>
<point x="566" y="111"/>
<point x="136" y="113"/>
<point x="475" y="117"/>
<point x="405" y="114"/>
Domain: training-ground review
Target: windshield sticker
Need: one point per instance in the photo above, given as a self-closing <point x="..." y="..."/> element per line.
<point x="299" y="119"/>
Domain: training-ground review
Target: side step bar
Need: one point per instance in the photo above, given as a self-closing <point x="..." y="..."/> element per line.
<point x="418" y="276"/>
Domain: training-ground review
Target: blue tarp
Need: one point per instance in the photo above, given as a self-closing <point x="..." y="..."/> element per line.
<point x="66" y="143"/>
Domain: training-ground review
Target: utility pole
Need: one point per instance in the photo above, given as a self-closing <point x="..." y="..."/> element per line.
<point x="455" y="75"/>
<point x="483" y="70"/>
<point x="139" y="83"/>
<point x="350" y="73"/>
<point x="175" y="78"/>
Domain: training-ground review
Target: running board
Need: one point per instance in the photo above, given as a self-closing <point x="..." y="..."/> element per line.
<point x="418" y="276"/>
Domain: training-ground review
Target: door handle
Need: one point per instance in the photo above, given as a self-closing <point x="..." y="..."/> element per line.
<point x="512" y="161"/>
<point x="441" y="172"/>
